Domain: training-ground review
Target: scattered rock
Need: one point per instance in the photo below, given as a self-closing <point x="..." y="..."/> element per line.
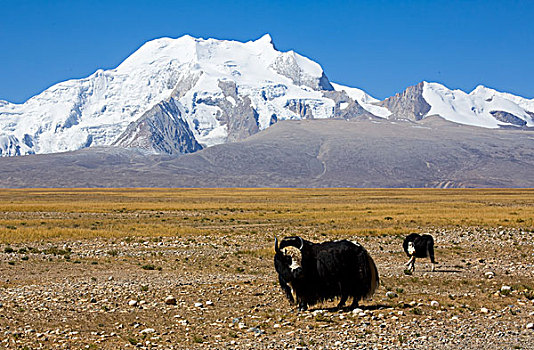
<point x="132" y="302"/>
<point x="170" y="300"/>
<point x="489" y="275"/>
<point x="434" y="304"/>
<point x="530" y="325"/>
<point x="356" y="311"/>
<point x="484" y="310"/>
<point x="505" y="290"/>
<point x="391" y="295"/>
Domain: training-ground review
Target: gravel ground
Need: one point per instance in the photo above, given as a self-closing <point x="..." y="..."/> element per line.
<point x="221" y="292"/>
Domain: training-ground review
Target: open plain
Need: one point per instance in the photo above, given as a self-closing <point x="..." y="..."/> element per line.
<point x="192" y="268"/>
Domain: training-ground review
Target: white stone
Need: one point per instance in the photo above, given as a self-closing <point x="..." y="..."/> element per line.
<point x="530" y="325"/>
<point x="356" y="311"/>
<point x="391" y="295"/>
<point x="198" y="305"/>
<point x="434" y="304"/>
<point x="147" y="330"/>
<point x="209" y="303"/>
<point x="484" y="310"/>
<point x="506" y="289"/>
<point x="132" y="302"/>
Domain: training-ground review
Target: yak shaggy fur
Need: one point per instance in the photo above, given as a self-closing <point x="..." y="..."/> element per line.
<point x="324" y="271"/>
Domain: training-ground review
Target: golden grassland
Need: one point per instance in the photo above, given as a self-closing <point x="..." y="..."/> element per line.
<point x="50" y="214"/>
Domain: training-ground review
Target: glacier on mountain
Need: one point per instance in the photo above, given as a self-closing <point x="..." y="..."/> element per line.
<point x="479" y="108"/>
<point x="222" y="90"/>
<point x="181" y="95"/>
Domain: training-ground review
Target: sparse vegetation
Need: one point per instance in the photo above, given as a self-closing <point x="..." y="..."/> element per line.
<point x="85" y="213"/>
<point x="216" y="244"/>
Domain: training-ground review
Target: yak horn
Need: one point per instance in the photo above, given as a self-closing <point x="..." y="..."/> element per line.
<point x="276" y="249"/>
<point x="294" y="241"/>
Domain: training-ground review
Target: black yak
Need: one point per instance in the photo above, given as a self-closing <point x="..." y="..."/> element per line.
<point x="419" y="246"/>
<point x="313" y="272"/>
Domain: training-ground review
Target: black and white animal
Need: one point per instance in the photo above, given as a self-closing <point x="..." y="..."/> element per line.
<point x="419" y="246"/>
<point x="313" y="272"/>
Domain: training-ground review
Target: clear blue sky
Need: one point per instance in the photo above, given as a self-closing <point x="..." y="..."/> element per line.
<point x="380" y="46"/>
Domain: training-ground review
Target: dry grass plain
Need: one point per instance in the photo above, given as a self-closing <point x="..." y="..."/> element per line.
<point x="73" y="260"/>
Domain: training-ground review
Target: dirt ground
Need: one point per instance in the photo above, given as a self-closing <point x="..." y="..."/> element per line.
<point x="221" y="292"/>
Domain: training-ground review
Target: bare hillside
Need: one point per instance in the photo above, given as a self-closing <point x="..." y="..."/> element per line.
<point x="308" y="153"/>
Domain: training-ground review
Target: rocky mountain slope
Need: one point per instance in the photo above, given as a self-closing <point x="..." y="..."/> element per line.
<point x="308" y="153"/>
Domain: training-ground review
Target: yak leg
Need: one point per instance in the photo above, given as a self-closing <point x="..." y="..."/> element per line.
<point x="303" y="306"/>
<point x="354" y="303"/>
<point x="411" y="263"/>
<point x="431" y="253"/>
<point x="342" y="301"/>
<point x="344" y="297"/>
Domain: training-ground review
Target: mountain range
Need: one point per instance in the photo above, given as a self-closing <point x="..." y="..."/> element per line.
<point x="204" y="112"/>
<point x="177" y="96"/>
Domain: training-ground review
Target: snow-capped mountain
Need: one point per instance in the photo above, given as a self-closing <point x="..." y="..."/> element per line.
<point x="182" y="95"/>
<point x="177" y="96"/>
<point x="482" y="107"/>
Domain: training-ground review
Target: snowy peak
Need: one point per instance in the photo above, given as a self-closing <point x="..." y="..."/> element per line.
<point x="194" y="76"/>
<point x="489" y="94"/>
<point x="482" y="107"/>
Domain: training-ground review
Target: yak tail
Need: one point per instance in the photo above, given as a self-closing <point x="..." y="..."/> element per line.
<point x="375" y="279"/>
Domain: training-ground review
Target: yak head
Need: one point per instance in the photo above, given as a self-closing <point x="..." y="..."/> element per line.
<point x="411" y="248"/>
<point x="288" y="257"/>
<point x="288" y="265"/>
